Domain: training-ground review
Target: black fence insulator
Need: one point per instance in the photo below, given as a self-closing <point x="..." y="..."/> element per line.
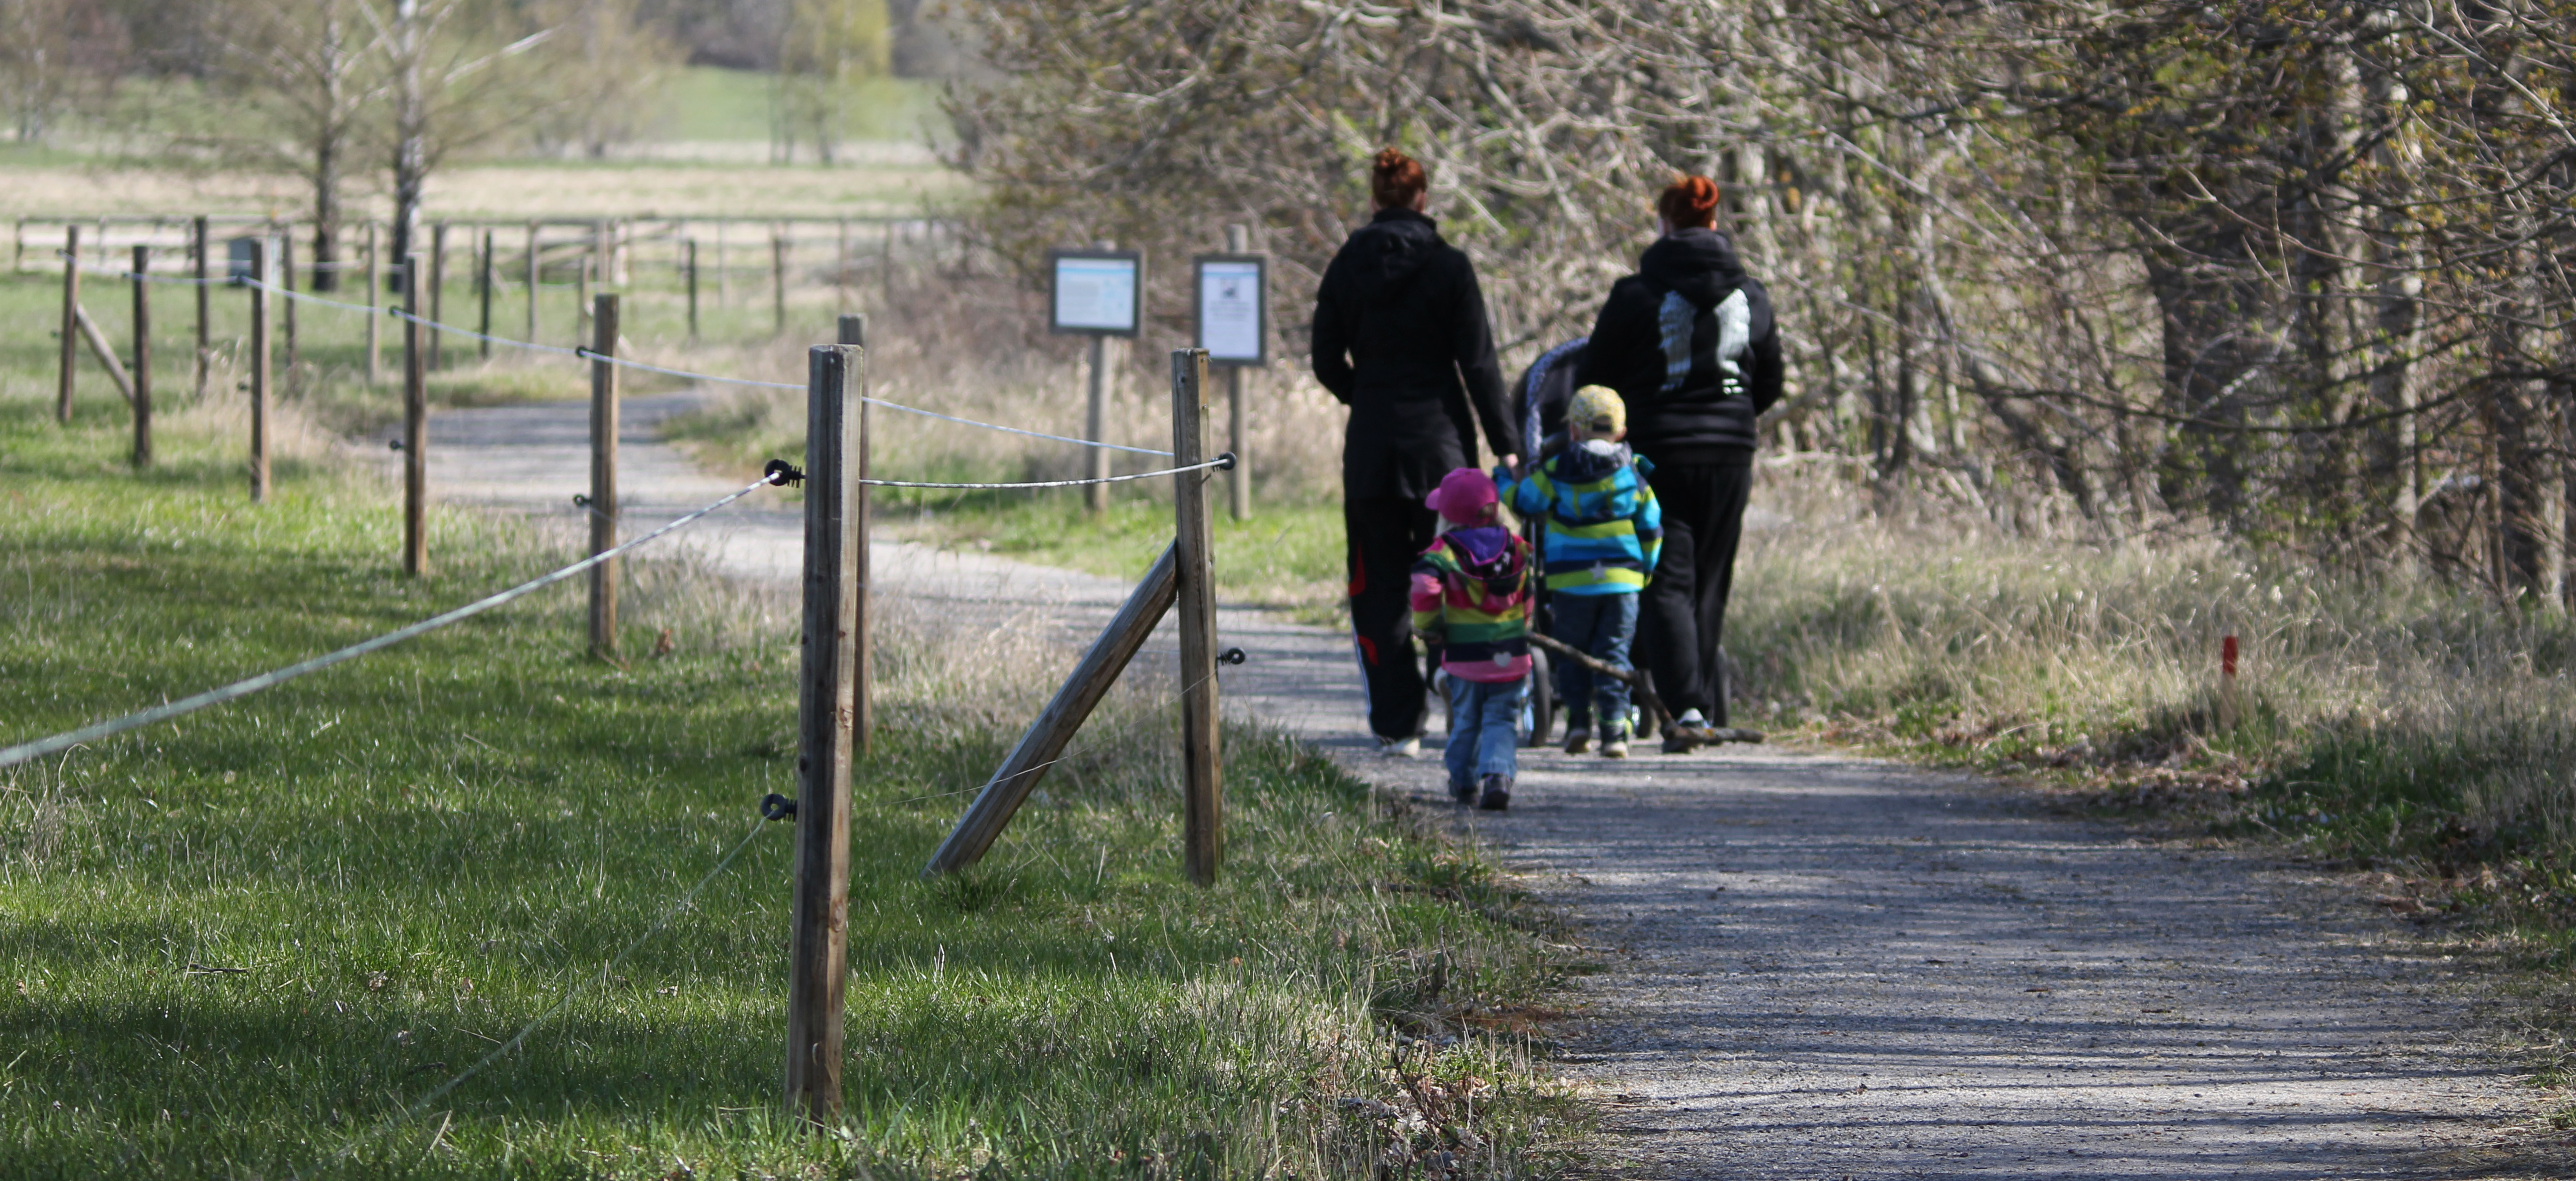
<point x="1225" y="461"/>
<point x="1231" y="656"/>
<point x="782" y="473"/>
<point x="777" y="807"/>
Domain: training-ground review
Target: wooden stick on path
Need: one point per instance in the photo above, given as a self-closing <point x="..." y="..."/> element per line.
<point x="142" y="393"/>
<point x="1639" y="686"/>
<point x="259" y="371"/>
<point x="1062" y="718"/>
<point x="854" y="332"/>
<point x="1194" y="544"/>
<point x="71" y="323"/>
<point x="603" y="478"/>
<point x="818" y="934"/>
<point x="415" y="427"/>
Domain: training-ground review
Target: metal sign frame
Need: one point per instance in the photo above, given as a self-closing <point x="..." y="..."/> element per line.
<point x="1055" y="294"/>
<point x="1261" y="307"/>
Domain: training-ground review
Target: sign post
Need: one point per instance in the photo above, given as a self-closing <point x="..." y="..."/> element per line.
<point x="1099" y="293"/>
<point x="1233" y="318"/>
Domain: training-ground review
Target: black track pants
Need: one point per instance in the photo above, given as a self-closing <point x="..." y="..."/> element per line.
<point x="1682" y="616"/>
<point x="1384" y="536"/>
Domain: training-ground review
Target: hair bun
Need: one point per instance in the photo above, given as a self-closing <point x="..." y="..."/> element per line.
<point x="1396" y="179"/>
<point x="1690" y="202"/>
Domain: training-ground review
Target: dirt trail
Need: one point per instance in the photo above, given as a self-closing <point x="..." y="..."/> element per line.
<point x="1826" y="967"/>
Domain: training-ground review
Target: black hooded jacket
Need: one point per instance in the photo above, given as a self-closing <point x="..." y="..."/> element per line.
<point x="1401" y="338"/>
<point x="1695" y="364"/>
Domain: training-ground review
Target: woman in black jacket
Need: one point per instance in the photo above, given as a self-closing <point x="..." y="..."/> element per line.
<point x="1689" y="344"/>
<point x="1401" y="338"/>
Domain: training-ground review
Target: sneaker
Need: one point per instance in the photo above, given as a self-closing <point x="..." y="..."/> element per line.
<point x="1578" y="738"/>
<point x="1497" y="794"/>
<point x="1400" y="748"/>
<point x="1615" y="746"/>
<point x="1464" y="793"/>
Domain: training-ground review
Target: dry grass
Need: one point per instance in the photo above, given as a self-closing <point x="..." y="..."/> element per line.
<point x="2383" y="718"/>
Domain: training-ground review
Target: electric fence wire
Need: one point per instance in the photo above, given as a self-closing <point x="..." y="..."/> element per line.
<point x="607" y="971"/>
<point x="42" y="747"/>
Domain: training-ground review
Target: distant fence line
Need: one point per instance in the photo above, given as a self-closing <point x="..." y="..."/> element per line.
<point x="782" y="242"/>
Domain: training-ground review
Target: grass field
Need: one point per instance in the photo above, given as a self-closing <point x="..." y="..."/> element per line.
<point x="256" y="942"/>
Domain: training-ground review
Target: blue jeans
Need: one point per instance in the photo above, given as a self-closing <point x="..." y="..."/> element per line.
<point x="1482" y="740"/>
<point x="1599" y="626"/>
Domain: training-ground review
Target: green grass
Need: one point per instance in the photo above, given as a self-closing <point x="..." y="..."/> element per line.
<point x="1285" y="555"/>
<point x="712" y="103"/>
<point x="413" y="856"/>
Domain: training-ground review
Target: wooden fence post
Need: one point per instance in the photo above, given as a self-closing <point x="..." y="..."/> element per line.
<point x="778" y="281"/>
<point x="1193" y="542"/>
<point x="415" y="427"/>
<point x="483" y="277"/>
<point x="142" y="358"/>
<point x="535" y="276"/>
<point x="375" y="317"/>
<point x="71" y="323"/>
<point x="603" y="478"/>
<point x="286" y="308"/>
<point x="854" y="332"/>
<point x="259" y="370"/>
<point x="581" y="271"/>
<point x="818" y="939"/>
<point x="438" y="294"/>
<point x="692" y="248"/>
<point x="1095" y="416"/>
<point x="203" y="242"/>
<point x="1238" y="240"/>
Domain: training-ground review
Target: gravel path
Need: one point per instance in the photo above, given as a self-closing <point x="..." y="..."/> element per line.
<point x="1822" y="967"/>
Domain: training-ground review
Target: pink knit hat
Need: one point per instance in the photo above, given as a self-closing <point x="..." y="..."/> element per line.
<point x="1463" y="496"/>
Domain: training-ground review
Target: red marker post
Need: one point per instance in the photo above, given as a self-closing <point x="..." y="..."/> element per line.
<point x="2227" y="703"/>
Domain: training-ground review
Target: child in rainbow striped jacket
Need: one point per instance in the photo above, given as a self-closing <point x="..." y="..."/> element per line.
<point x="1604" y="532"/>
<point x="1470" y="594"/>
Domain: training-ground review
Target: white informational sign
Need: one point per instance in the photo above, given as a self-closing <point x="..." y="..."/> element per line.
<point x="1233" y="309"/>
<point x="1097" y="292"/>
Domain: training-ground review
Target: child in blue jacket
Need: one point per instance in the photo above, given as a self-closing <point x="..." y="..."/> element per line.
<point x="1603" y="534"/>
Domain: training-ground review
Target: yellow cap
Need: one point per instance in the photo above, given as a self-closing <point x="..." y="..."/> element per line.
<point x="1596" y="410"/>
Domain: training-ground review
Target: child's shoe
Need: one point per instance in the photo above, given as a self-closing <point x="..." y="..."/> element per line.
<point x="1497" y="794"/>
<point x="1578" y="737"/>
<point x="1399" y="748"/>
<point x="1614" y="743"/>
<point x="1464" y="793"/>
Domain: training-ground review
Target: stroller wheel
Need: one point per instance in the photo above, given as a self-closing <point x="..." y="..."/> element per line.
<point x="1538" y="709"/>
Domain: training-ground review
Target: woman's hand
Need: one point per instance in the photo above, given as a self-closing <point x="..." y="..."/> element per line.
<point x="1512" y="464"/>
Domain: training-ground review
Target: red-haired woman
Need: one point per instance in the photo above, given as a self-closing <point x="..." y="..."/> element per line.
<point x="1401" y="338"/>
<point x="1689" y="344"/>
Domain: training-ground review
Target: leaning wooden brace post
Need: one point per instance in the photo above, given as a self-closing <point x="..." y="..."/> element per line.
<point x="142" y="358"/>
<point x="202" y="243"/>
<point x="603" y="477"/>
<point x="1193" y="541"/>
<point x="1056" y="725"/>
<point x="818" y="939"/>
<point x="258" y="370"/>
<point x="854" y="332"/>
<point x="415" y="427"/>
<point x="71" y="323"/>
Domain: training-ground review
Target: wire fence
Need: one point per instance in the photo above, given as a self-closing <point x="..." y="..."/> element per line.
<point x="58" y="743"/>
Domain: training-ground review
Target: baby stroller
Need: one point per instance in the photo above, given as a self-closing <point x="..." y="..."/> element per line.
<point x="1539" y="399"/>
